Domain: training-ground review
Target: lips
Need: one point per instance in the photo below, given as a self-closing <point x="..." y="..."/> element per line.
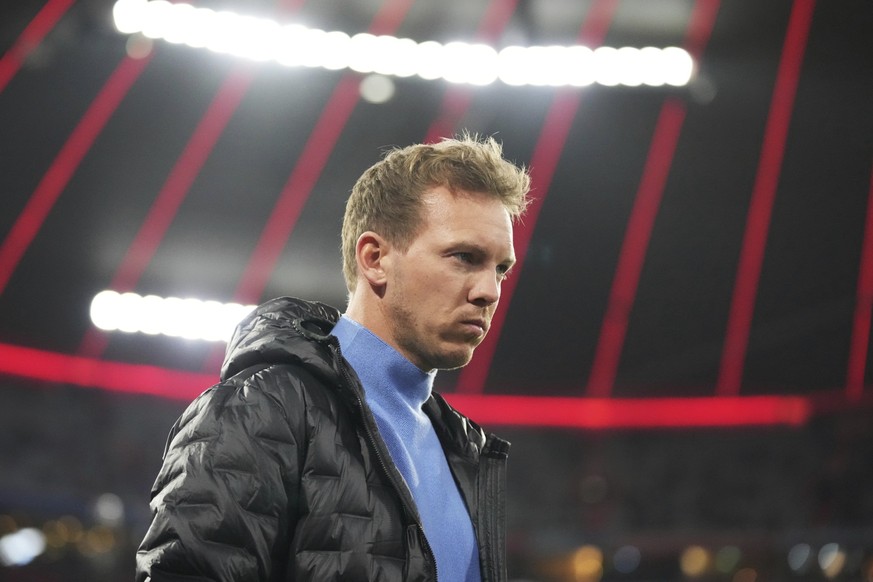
<point x="482" y="324"/>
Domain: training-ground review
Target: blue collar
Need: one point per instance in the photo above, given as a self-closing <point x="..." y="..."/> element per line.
<point x="384" y="372"/>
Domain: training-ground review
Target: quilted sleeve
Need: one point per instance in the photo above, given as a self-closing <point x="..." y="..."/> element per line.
<point x="225" y="499"/>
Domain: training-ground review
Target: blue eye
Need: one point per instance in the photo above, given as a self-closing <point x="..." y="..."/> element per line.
<point x="464" y="257"/>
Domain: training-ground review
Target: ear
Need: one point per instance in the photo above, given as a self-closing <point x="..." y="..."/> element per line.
<point x="371" y="251"/>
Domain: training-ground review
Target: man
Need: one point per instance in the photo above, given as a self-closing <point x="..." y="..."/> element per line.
<point x="323" y="454"/>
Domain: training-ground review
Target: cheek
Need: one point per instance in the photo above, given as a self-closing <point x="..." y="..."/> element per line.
<point x="435" y="287"/>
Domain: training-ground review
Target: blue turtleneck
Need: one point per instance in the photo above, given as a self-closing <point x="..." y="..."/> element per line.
<point x="395" y="390"/>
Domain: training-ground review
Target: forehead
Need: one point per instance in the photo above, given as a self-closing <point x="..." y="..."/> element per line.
<point x="474" y="217"/>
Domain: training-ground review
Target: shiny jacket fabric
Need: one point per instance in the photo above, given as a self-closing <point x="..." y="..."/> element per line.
<point x="278" y="473"/>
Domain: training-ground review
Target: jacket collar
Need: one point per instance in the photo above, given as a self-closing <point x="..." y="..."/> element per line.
<point x="282" y="331"/>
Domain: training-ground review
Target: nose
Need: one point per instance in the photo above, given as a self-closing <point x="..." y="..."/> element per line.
<point x="485" y="290"/>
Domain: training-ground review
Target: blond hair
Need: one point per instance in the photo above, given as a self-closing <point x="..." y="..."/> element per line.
<point x="386" y="199"/>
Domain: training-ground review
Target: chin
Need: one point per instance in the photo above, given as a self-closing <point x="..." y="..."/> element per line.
<point x="453" y="361"/>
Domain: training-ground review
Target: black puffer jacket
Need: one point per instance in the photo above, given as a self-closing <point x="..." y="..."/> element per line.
<point x="279" y="473"/>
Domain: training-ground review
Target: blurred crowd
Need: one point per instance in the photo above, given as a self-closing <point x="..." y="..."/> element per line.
<point x="746" y="505"/>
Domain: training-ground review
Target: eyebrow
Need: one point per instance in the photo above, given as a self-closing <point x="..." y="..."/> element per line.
<point x="477" y="248"/>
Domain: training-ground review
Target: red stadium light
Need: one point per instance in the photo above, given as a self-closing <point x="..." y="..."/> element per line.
<point x="488" y="409"/>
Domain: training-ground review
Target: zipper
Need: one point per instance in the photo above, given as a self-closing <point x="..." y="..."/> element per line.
<point x="491" y="515"/>
<point x="371" y="440"/>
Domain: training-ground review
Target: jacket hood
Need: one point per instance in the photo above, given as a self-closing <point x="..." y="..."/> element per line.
<point x="283" y="331"/>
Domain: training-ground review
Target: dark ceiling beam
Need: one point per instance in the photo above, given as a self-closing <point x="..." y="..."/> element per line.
<point x="763" y="196"/>
<point x="546" y="154"/>
<point x="659" y="161"/>
<point x="632" y="256"/>
<point x="65" y="164"/>
<point x="30" y="38"/>
<point x="859" y="348"/>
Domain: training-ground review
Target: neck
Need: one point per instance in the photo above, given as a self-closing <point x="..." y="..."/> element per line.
<point x="366" y="309"/>
<point x="381" y="368"/>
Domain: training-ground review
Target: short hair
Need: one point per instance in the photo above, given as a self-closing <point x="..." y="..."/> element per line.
<point x="386" y="199"/>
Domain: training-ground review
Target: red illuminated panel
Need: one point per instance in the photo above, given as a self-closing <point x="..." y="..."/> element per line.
<point x="30" y="38"/>
<point x="490" y="410"/>
<point x="601" y="413"/>
<point x="114" y="376"/>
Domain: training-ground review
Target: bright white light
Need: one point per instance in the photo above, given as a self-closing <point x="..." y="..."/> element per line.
<point x="607" y="66"/>
<point x="198" y="34"/>
<point x="475" y="64"/>
<point x="429" y="55"/>
<point x="21" y="547"/>
<point x="153" y="319"/>
<point x="201" y="24"/>
<point x="109" y="509"/>
<point x="678" y="66"/>
<point x="316" y="40"/>
<point x="510" y="65"/>
<point x="220" y="34"/>
<point x="457" y="62"/>
<point x="101" y="315"/>
<point x="128" y="15"/>
<point x="292" y="45"/>
<point x="171" y="316"/>
<point x="649" y="63"/>
<point x="382" y="51"/>
<point x="128" y="313"/>
<point x="403" y="58"/>
<point x="174" y="317"/>
<point x="377" y="89"/>
<point x="551" y="65"/>
<point x="580" y="68"/>
<point x="831" y="559"/>
<point x="629" y="64"/>
<point x="158" y="19"/>
<point x="183" y="20"/>
<point x="335" y="53"/>
<point x="256" y="38"/>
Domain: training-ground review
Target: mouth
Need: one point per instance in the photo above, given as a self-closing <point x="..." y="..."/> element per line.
<point x="476" y="325"/>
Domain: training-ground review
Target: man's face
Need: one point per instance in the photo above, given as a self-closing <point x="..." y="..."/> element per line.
<point x="441" y="293"/>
